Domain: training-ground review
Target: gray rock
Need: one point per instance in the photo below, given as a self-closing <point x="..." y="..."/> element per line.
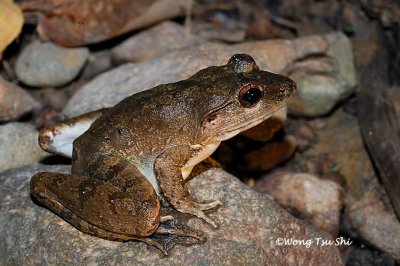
<point x="154" y="42"/>
<point x="276" y="56"/>
<point x="14" y="101"/>
<point x="373" y="220"/>
<point x="98" y="62"/>
<point x="18" y="145"/>
<point x="47" y="65"/>
<point x="250" y="225"/>
<point x="323" y="81"/>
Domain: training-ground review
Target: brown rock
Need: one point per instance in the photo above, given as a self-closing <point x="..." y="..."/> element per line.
<point x="14" y="101"/>
<point x="270" y="154"/>
<point x="340" y="143"/>
<point x="84" y="22"/>
<point x="266" y="130"/>
<point x="315" y="200"/>
<point x="303" y="133"/>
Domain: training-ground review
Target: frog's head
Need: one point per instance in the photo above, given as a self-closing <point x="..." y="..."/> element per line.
<point x="240" y="96"/>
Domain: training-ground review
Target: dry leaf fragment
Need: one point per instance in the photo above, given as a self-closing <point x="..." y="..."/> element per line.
<point x="11" y="21"/>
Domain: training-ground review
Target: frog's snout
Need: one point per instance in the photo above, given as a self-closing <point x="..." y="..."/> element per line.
<point x="278" y="87"/>
<point x="288" y="88"/>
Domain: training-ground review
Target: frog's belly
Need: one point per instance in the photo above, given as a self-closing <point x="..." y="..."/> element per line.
<point x="203" y="151"/>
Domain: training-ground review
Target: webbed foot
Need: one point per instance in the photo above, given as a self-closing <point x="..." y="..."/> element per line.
<point x="168" y="234"/>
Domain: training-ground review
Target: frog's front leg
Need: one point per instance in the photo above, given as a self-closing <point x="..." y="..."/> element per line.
<point x="168" y="168"/>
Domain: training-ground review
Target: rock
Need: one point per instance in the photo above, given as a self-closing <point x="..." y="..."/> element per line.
<point x="111" y="87"/>
<point x="98" y="62"/>
<point x="373" y="220"/>
<point x="339" y="140"/>
<point x="14" y="101"/>
<point x="302" y="132"/>
<point x="154" y="42"/>
<point x="47" y="65"/>
<point x="317" y="93"/>
<point x="220" y="28"/>
<point x="269" y="155"/>
<point x="316" y="200"/>
<point x="365" y="256"/>
<point x="250" y="224"/>
<point x="18" y="145"/>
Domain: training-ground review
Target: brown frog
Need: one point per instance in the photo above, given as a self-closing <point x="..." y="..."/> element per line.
<point x="123" y="157"/>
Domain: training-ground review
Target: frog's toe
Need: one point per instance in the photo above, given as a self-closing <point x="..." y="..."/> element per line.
<point x="180" y="232"/>
<point x="208" y="220"/>
<point x="208" y="206"/>
<point x="155" y="243"/>
<point x="193" y="210"/>
<point x="167" y="218"/>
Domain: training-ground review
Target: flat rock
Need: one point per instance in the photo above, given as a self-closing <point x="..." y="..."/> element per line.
<point x="154" y="42"/>
<point x="18" y="145"/>
<point x="249" y="226"/>
<point x="276" y="56"/>
<point x="316" y="200"/>
<point x="47" y="65"/>
<point x="14" y="101"/>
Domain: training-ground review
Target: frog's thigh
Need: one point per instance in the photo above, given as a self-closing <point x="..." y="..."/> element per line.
<point x="98" y="207"/>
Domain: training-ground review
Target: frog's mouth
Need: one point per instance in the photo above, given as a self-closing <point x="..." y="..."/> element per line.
<point x="229" y="133"/>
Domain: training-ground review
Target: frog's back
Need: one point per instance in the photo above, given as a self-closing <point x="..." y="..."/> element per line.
<point x="137" y="129"/>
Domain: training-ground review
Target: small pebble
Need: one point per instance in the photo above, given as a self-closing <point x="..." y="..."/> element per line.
<point x="14" y="101"/>
<point x="18" y="145"/>
<point x="49" y="65"/>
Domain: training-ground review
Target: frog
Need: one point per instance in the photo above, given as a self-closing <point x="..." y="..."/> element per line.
<point x="127" y="158"/>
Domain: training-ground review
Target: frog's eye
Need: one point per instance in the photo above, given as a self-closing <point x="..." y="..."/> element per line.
<point x="250" y="95"/>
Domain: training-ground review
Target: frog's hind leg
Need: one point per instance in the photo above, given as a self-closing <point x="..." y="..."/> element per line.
<point x="123" y="208"/>
<point x="98" y="207"/>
